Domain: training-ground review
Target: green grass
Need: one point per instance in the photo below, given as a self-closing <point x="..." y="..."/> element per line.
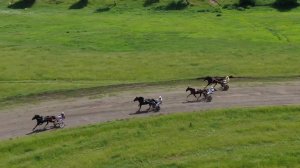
<point x="260" y="137"/>
<point x="133" y="44"/>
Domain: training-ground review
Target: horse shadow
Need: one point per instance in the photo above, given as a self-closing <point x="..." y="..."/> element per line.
<point x="140" y="112"/>
<point x="143" y="112"/>
<point x="22" y="4"/>
<point x="79" y="5"/>
<point x="192" y="101"/>
<point x="36" y="131"/>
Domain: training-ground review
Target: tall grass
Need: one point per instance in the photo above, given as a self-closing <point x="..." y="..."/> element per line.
<point x="262" y="137"/>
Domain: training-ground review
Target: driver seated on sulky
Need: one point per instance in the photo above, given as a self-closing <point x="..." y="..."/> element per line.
<point x="226" y="80"/>
<point x="61" y="116"/>
<point x="211" y="90"/>
<point x="159" y="101"/>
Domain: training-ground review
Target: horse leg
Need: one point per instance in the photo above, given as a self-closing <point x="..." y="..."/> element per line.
<point x="149" y="108"/>
<point x="139" y="108"/>
<point x="35" y="127"/>
<point x="205" y="95"/>
<point x="188" y="95"/>
<point x="46" y="124"/>
<point x="199" y="96"/>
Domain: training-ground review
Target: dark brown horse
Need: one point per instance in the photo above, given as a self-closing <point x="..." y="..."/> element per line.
<point x="40" y="120"/>
<point x="194" y="92"/>
<point x="215" y="80"/>
<point x="142" y="101"/>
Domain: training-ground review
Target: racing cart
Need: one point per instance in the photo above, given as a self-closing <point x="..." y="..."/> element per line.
<point x="59" y="121"/>
<point x="208" y="98"/>
<point x="224" y="84"/>
<point x="155" y="104"/>
<point x="208" y="94"/>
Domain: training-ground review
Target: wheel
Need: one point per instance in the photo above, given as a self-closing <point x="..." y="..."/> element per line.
<point x="208" y="98"/>
<point x="157" y="108"/>
<point x="225" y="87"/>
<point x="61" y="124"/>
<point x="56" y="124"/>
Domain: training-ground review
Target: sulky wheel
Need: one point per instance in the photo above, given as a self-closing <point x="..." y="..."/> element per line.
<point x="61" y="124"/>
<point x="208" y="98"/>
<point x="225" y="87"/>
<point x="156" y="109"/>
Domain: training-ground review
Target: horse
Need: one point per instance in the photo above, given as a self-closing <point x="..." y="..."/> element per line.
<point x="142" y="101"/>
<point x="195" y="92"/>
<point x="40" y="120"/>
<point x="216" y="80"/>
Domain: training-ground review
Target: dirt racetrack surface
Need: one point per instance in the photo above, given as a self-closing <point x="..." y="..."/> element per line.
<point x="83" y="111"/>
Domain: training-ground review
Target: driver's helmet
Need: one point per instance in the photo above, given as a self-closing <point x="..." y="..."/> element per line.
<point x="160" y="98"/>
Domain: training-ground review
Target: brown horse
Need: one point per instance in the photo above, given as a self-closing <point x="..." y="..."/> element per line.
<point x="216" y="80"/>
<point x="40" y="120"/>
<point x="142" y="101"/>
<point x="194" y="92"/>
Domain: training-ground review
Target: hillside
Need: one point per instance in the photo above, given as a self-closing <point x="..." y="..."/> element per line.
<point x="49" y="48"/>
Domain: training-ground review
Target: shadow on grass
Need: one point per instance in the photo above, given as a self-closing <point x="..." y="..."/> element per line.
<point x="22" y="4"/>
<point x="150" y="2"/>
<point x="79" y="5"/>
<point x="284" y="8"/>
<point x="106" y="8"/>
<point x="278" y="6"/>
<point x="175" y="5"/>
<point x="102" y="9"/>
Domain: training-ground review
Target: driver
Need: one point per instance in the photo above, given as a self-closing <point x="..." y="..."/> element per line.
<point x="226" y="80"/>
<point x="210" y="90"/>
<point x="61" y="116"/>
<point x="159" y="101"/>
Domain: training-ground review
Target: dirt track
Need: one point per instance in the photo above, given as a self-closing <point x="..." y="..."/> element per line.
<point x="82" y="111"/>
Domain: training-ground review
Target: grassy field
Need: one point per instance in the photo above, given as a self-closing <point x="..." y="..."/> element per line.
<point x="261" y="137"/>
<point x="51" y="48"/>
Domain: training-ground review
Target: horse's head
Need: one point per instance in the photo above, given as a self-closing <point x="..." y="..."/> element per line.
<point x="187" y="89"/>
<point x="35" y="117"/>
<point x="140" y="99"/>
